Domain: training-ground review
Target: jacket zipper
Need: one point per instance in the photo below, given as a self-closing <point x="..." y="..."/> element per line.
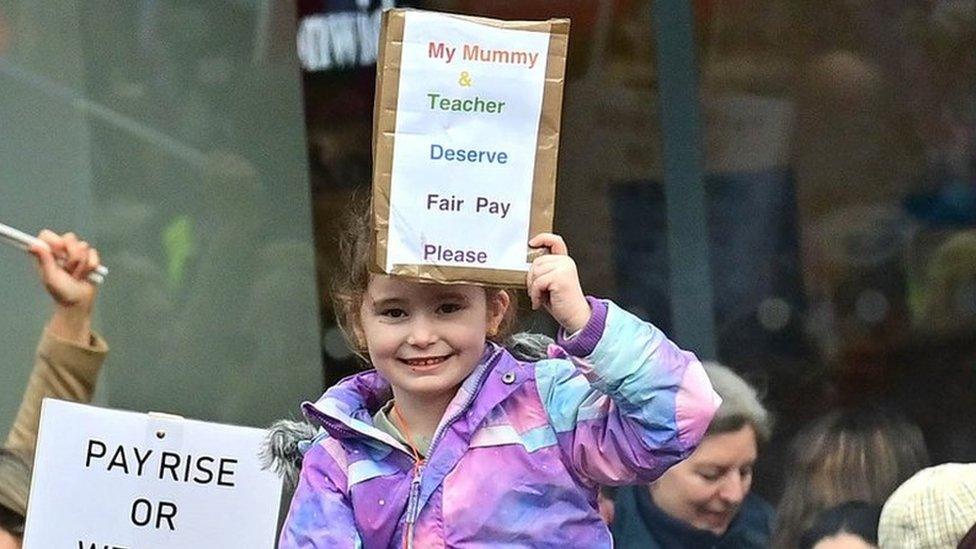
<point x="413" y="505"/>
<point x="462" y="409"/>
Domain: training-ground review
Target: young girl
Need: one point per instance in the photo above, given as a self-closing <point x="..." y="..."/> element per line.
<point x="451" y="442"/>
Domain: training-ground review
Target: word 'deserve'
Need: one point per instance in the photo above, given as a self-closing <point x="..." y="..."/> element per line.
<point x="439" y="152"/>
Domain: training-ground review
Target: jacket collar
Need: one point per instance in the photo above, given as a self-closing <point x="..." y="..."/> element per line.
<point x="346" y="409"/>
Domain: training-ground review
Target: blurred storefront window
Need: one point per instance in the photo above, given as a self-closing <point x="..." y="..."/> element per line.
<point x="838" y="146"/>
<point x="839" y="170"/>
<point x="169" y="133"/>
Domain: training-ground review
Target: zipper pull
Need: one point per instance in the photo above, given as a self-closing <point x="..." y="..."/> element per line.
<point x="413" y="509"/>
<point x="413" y="505"/>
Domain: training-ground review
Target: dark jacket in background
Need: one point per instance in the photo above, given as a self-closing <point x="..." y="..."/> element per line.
<point x="639" y="524"/>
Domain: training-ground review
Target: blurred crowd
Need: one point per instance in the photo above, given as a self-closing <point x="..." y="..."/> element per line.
<point x="856" y="477"/>
<point x="840" y="162"/>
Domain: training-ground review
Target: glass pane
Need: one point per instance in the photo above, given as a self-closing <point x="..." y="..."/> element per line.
<point x="840" y="160"/>
<point x="839" y="175"/>
<point x="170" y="135"/>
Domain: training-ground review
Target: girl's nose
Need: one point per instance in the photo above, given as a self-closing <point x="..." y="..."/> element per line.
<point x="421" y="333"/>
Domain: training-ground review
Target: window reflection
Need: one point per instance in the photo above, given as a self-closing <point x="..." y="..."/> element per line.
<point x="841" y="201"/>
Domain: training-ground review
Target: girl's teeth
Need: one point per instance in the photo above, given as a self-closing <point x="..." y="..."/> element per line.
<point x="427" y="362"/>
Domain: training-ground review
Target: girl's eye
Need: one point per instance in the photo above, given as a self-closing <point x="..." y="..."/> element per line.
<point x="449" y="308"/>
<point x="393" y="313"/>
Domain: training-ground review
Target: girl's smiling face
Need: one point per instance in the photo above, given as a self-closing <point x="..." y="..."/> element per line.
<point x="425" y="339"/>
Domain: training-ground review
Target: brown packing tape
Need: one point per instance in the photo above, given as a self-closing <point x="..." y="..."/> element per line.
<point x="461" y="275"/>
<point x="384" y="127"/>
<point x="547" y="146"/>
<point x="547" y="142"/>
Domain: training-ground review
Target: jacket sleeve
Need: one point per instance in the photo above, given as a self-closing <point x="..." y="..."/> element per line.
<point x="320" y="516"/>
<point x="63" y="370"/>
<point x="624" y="401"/>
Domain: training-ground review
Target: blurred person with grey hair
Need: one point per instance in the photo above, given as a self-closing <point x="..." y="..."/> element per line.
<point x="705" y="501"/>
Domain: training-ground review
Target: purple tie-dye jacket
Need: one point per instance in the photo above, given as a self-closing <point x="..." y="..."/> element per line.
<point x="520" y="453"/>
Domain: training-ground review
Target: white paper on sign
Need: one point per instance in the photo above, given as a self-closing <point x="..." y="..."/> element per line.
<point x="468" y="110"/>
<point x="108" y="478"/>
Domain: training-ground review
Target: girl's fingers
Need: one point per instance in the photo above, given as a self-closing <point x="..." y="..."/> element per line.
<point x="546" y="268"/>
<point x="536" y="291"/>
<point x="547" y="259"/>
<point x="547" y="264"/>
<point x="543" y="273"/>
<point x="540" y="289"/>
<point x="539" y="269"/>
<point x="555" y="243"/>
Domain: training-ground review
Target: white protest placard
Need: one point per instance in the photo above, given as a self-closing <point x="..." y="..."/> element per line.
<point x="109" y="479"/>
<point x="466" y="137"/>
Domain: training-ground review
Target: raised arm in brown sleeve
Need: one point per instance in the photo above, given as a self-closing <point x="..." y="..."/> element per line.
<point x="63" y="370"/>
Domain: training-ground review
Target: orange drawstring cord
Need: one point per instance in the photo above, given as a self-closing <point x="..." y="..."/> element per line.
<point x="418" y="461"/>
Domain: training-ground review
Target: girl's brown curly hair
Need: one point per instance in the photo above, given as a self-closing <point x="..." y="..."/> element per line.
<point x="351" y="279"/>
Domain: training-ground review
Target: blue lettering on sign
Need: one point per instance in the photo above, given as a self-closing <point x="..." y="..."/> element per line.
<point x="440" y="152"/>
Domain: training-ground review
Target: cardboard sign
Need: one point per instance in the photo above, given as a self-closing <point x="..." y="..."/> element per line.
<point x="465" y="139"/>
<point x="107" y="479"/>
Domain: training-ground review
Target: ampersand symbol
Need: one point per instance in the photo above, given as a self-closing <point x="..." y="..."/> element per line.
<point x="465" y="79"/>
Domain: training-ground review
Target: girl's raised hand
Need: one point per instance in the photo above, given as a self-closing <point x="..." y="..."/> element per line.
<point x="553" y="283"/>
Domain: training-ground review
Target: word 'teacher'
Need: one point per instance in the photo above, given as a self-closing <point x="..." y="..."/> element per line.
<point x="464" y="167"/>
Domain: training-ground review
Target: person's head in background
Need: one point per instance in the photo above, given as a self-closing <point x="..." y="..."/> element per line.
<point x="14" y="486"/>
<point x="706" y="490"/>
<point x="950" y="290"/>
<point x="851" y="454"/>
<point x="934" y="509"/>
<point x="851" y="525"/>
